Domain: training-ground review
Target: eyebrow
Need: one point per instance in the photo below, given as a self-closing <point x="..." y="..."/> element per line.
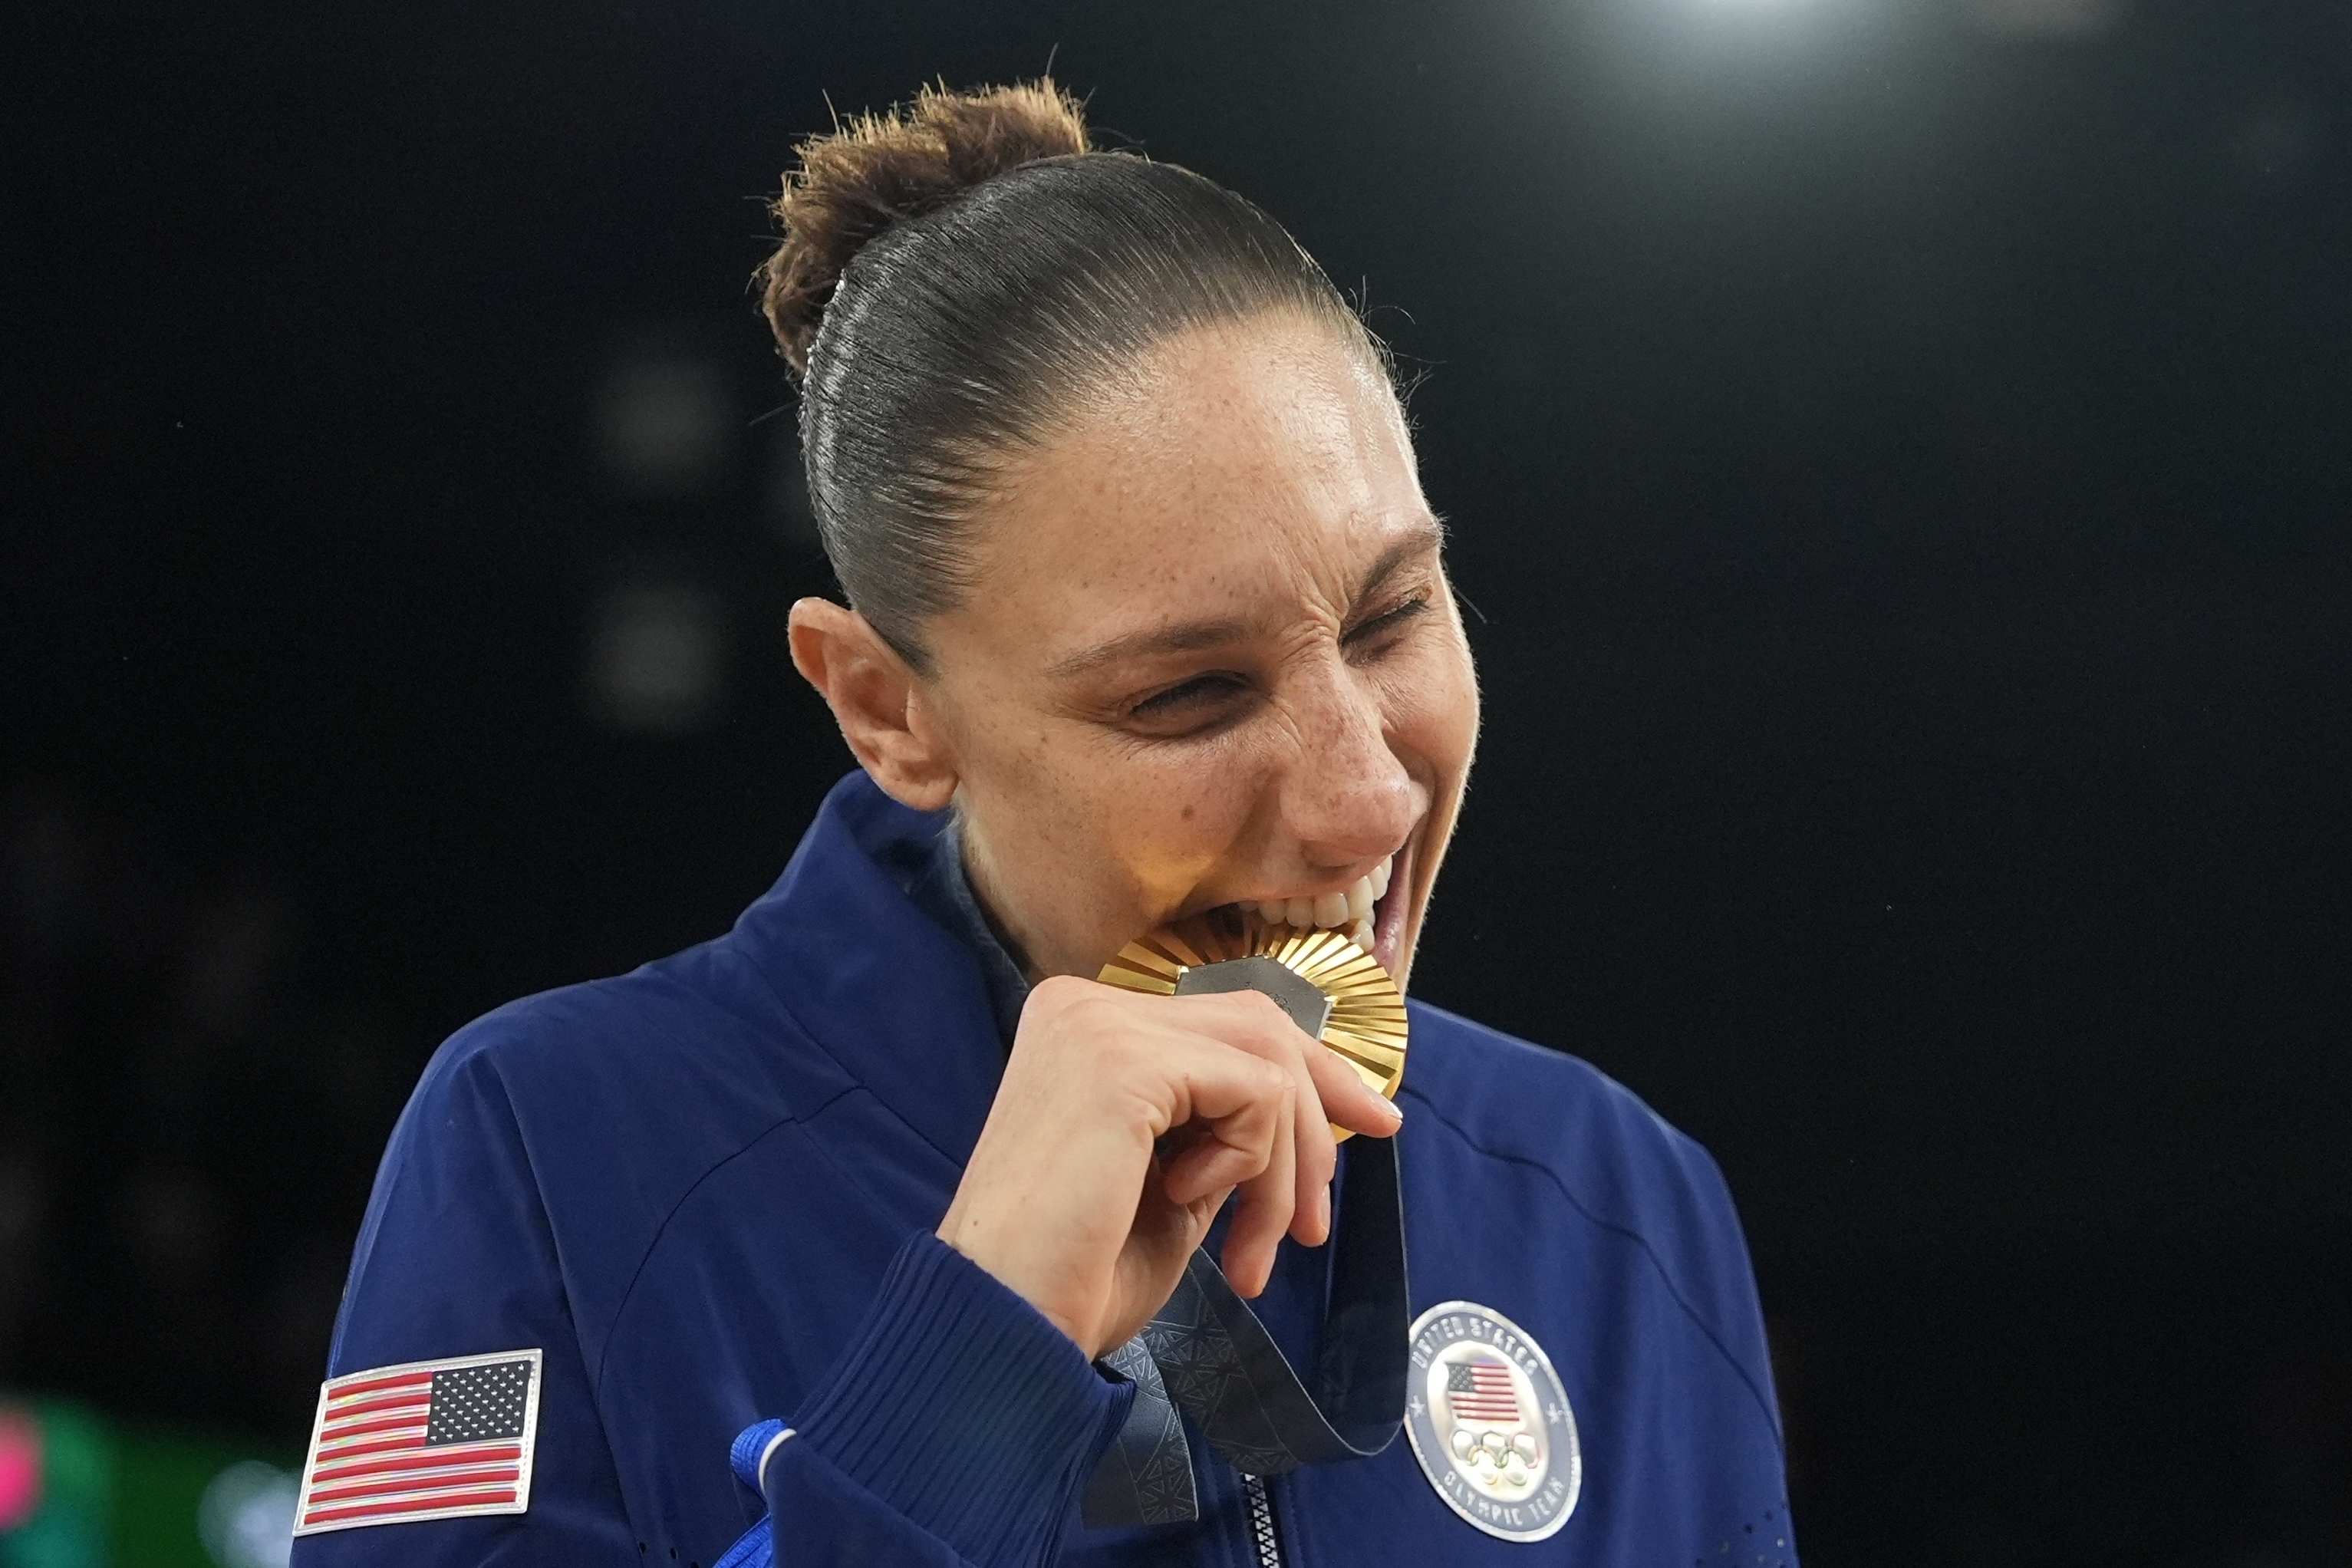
<point x="1191" y="637"/>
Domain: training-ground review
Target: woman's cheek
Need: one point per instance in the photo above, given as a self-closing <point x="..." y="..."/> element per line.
<point x="1430" y="702"/>
<point x="1188" y="811"/>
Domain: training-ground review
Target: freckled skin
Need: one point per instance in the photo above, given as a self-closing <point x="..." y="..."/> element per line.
<point x="1253" y="488"/>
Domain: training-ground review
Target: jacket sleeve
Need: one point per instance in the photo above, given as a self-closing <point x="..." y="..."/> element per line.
<point x="456" y="1257"/>
<point x="958" y="1429"/>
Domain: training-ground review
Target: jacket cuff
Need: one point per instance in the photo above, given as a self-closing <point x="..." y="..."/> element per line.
<point x="960" y="1406"/>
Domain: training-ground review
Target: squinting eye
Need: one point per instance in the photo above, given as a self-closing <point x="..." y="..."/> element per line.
<point x="1192" y="694"/>
<point x="1388" y="620"/>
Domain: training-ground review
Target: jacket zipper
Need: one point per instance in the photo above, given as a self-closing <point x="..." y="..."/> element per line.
<point x="1261" y="1520"/>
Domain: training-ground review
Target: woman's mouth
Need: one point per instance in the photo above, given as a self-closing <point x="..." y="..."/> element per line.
<point x="1356" y="911"/>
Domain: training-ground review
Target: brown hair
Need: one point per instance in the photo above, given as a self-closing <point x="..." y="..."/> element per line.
<point x="952" y="273"/>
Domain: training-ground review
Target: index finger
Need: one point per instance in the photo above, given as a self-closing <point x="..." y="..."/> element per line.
<point x="1258" y="1024"/>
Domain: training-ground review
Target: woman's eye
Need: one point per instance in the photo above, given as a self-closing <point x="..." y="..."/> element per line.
<point x="1387" y="620"/>
<point x="1201" y="691"/>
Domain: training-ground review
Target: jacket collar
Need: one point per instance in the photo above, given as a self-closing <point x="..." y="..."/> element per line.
<point x="943" y="892"/>
<point x="878" y="984"/>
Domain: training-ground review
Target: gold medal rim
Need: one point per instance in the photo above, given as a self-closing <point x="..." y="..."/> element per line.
<point x="1368" y="1023"/>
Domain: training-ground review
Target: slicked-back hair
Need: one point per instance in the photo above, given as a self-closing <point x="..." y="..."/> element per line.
<point x="955" y="278"/>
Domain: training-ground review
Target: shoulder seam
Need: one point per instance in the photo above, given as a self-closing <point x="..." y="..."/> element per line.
<point x="767" y="983"/>
<point x="653" y="1243"/>
<point x="850" y="1086"/>
<point x="1771" y="1416"/>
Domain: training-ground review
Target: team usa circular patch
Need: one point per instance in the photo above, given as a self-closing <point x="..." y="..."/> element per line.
<point x="1490" y="1422"/>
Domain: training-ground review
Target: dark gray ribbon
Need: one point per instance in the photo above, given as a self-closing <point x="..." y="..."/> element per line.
<point x="1206" y="1354"/>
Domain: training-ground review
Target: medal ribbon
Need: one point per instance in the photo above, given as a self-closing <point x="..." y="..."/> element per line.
<point x="1207" y="1354"/>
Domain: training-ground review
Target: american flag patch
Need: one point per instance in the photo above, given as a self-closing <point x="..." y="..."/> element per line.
<point x="427" y="1439"/>
<point x="1479" y="1390"/>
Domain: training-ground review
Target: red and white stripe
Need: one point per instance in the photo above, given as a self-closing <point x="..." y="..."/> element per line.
<point x="1490" y="1397"/>
<point x="369" y="1462"/>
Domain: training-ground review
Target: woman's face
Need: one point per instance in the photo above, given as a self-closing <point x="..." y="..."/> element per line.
<point x="1209" y="657"/>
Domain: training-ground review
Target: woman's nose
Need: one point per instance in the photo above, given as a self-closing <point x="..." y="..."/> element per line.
<point x="1347" y="796"/>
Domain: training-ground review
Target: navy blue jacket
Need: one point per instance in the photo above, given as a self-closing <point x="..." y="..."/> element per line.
<point x="705" y="1191"/>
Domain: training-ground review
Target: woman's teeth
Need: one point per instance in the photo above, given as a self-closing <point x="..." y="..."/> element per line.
<point x="1349" y="910"/>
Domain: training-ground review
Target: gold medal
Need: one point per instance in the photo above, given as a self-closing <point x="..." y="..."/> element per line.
<point x="1331" y="988"/>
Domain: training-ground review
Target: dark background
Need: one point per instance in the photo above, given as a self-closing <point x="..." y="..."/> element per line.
<point x="1898" y="450"/>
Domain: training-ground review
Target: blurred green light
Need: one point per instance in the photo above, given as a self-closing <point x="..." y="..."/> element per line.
<point x="76" y="1492"/>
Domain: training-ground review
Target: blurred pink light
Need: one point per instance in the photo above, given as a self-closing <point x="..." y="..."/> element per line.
<point x="20" y="1469"/>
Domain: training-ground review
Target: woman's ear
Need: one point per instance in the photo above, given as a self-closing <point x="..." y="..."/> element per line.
<point x="876" y="700"/>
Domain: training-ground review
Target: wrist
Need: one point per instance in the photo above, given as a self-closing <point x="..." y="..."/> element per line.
<point x="972" y="1239"/>
<point x="957" y="1407"/>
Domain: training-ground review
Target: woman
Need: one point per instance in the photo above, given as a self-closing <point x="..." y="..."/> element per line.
<point x="881" y="1196"/>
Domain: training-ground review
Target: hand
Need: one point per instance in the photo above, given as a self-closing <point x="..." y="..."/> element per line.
<point x="1123" y="1123"/>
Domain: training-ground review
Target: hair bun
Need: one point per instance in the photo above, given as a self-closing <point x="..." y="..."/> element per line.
<point x="856" y="182"/>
